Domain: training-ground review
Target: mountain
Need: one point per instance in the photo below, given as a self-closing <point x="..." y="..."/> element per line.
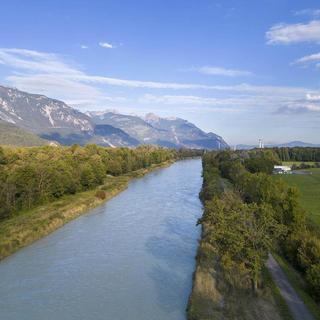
<point x="52" y="119"/>
<point x="185" y="134"/>
<point x="103" y="135"/>
<point x="107" y="135"/>
<point x="167" y="132"/>
<point x="135" y="126"/>
<point x="245" y="146"/>
<point x="15" y="136"/>
<point x="38" y="113"/>
<point x="297" y="144"/>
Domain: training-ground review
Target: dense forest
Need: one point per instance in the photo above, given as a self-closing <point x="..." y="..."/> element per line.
<point x="33" y="176"/>
<point x="248" y="214"/>
<point x="297" y="154"/>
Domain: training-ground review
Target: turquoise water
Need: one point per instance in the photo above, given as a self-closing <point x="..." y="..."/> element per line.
<point x="132" y="258"/>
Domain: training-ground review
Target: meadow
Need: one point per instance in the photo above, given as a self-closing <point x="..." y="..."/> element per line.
<point x="309" y="187"/>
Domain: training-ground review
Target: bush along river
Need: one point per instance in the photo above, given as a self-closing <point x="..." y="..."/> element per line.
<point x="129" y="259"/>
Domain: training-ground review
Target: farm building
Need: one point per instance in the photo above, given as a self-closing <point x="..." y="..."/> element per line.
<point x="282" y="170"/>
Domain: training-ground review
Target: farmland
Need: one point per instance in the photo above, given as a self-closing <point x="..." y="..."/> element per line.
<point x="309" y="187"/>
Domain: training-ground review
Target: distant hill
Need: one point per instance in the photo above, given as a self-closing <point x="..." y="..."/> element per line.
<point x="52" y="119"/>
<point x="13" y="135"/>
<point x="280" y="145"/>
<point x="298" y="144"/>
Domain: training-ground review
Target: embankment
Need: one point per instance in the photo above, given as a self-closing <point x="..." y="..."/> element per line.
<point x="212" y="297"/>
<point x="220" y="294"/>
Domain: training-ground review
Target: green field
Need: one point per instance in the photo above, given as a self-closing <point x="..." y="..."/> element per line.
<point x="309" y="186"/>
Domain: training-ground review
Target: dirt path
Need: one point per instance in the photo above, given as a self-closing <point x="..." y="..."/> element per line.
<point x="296" y="305"/>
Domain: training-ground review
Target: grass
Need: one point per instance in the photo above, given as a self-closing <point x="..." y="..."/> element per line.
<point x="309" y="186"/>
<point x="299" y="285"/>
<point x="28" y="226"/>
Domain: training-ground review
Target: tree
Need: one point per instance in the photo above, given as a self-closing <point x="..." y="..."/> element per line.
<point x="241" y="233"/>
<point x="2" y="156"/>
<point x="293" y="214"/>
<point x="313" y="278"/>
<point x="255" y="165"/>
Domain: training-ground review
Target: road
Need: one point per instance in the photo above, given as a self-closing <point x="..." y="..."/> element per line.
<point x="295" y="304"/>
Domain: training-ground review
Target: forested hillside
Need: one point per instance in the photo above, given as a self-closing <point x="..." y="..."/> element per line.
<point x="14" y="136"/>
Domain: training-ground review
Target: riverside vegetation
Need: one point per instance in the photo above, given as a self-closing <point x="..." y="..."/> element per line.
<point x="42" y="188"/>
<point x="248" y="214"/>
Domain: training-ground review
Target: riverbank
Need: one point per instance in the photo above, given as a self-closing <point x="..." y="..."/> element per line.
<point x="28" y="226"/>
<point x="213" y="298"/>
<point x="222" y="281"/>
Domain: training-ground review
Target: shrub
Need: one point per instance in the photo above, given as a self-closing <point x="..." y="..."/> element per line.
<point x="308" y="252"/>
<point x="100" y="194"/>
<point x="313" y="279"/>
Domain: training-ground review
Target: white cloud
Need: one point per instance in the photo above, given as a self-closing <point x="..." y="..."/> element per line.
<point x="106" y="45"/>
<point x="178" y="99"/>
<point x="192" y="100"/>
<point x="242" y="88"/>
<point x="313" y="97"/>
<point x="35" y="63"/>
<point x="294" y="33"/>
<point x="222" y="71"/>
<point x="238" y="103"/>
<point x="83" y="46"/>
<point x="48" y="74"/>
<point x="51" y="75"/>
<point x="298" y="108"/>
<point x="309" y="104"/>
<point x="308" y="59"/>
<point x="308" y="12"/>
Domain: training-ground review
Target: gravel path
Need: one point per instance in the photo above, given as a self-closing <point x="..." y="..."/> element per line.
<point x="296" y="305"/>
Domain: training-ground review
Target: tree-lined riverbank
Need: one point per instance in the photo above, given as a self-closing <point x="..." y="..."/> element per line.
<point x="42" y="188"/>
<point x="30" y="225"/>
<point x="247" y="214"/>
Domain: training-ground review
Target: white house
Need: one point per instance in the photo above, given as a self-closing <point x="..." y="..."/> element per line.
<point x="282" y="170"/>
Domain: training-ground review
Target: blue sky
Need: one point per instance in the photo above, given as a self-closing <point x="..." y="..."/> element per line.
<point x="243" y="69"/>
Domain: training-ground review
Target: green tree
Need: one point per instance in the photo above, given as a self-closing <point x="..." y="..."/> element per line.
<point x="313" y="278"/>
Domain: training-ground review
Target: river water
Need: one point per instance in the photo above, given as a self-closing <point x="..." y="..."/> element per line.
<point x="129" y="259"/>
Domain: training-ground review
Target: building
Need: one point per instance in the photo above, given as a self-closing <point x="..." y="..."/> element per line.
<point x="282" y="170"/>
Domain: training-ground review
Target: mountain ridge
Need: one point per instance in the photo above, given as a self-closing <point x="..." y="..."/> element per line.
<point x="53" y="119"/>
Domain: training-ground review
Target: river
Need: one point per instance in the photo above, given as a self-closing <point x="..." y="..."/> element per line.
<point x="129" y="259"/>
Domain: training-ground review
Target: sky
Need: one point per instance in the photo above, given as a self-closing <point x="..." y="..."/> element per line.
<point x="244" y="69"/>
